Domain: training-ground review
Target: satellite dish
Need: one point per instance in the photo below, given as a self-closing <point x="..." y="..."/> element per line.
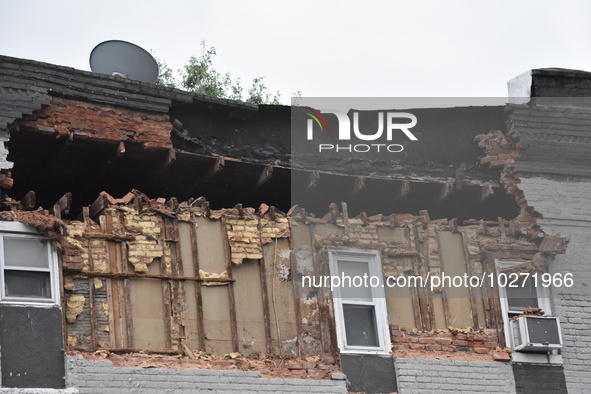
<point x="124" y="59"/>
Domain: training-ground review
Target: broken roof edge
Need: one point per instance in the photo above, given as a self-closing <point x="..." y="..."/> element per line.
<point x="66" y="80"/>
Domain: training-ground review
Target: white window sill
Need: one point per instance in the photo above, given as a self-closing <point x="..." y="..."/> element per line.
<point x="536" y="358"/>
<point x="366" y="353"/>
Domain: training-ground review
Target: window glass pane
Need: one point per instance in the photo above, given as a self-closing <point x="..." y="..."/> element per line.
<point x="27" y="284"/>
<point x="360" y="325"/>
<point x="26" y="252"/>
<point x="520" y="298"/>
<point x="354" y="289"/>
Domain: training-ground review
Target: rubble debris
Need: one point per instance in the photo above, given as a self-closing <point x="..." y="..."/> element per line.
<point x="270" y="366"/>
<point x="51" y="226"/>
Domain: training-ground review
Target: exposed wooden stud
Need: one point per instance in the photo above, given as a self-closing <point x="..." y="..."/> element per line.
<point x="446" y="310"/>
<point x="416" y="307"/>
<point x="166" y="289"/>
<point x="323" y="316"/>
<point x="231" y="296"/>
<point x="425" y="301"/>
<point x="314" y="179"/>
<point x="265" y="175"/>
<point x="60" y="263"/>
<point x="468" y="262"/>
<point x="114" y="284"/>
<point x="198" y="295"/>
<point x="326" y="306"/>
<point x="178" y="289"/>
<point x="422" y="292"/>
<point x="444" y="299"/>
<point x="495" y="312"/>
<point x="127" y="293"/>
<point x="92" y="308"/>
<point x="93" y="327"/>
<point x="345" y="216"/>
<point x="296" y="297"/>
<point x="265" y="299"/>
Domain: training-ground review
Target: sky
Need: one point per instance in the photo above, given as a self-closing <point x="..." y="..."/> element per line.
<point x="419" y="48"/>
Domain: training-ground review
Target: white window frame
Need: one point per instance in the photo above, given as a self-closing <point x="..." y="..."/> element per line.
<point x="19" y="230"/>
<point x="542" y="293"/>
<point x="372" y="257"/>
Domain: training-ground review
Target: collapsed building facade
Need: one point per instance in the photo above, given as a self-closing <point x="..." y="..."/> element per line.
<point x="169" y="253"/>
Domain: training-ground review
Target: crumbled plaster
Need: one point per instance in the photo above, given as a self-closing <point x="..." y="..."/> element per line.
<point x="74" y="307"/>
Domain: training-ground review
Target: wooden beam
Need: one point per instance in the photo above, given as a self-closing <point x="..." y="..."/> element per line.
<point x="265" y="299"/>
<point x="266" y="175"/>
<point x="198" y="295"/>
<point x="296" y="298"/>
<point x="64" y="204"/>
<point x="468" y="262"/>
<point x="345" y="216"/>
<point x="99" y="205"/>
<point x="126" y="292"/>
<point x="416" y="307"/>
<point x="231" y="296"/>
<point x="29" y="201"/>
<point x="166" y="288"/>
<point x="114" y="284"/>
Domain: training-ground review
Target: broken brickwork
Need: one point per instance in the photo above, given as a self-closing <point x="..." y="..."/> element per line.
<point x="501" y="151"/>
<point x="98" y="122"/>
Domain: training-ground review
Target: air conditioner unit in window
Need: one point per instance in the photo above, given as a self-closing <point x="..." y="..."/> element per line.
<point x="536" y="334"/>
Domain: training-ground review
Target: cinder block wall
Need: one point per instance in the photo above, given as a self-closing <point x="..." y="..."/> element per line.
<point x="430" y="376"/>
<point x="102" y="377"/>
<point x="565" y="204"/>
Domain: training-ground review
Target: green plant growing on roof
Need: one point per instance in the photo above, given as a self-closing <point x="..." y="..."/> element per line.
<point x="200" y="76"/>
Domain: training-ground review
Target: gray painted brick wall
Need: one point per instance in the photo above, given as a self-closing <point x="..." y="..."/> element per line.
<point x="103" y="377"/>
<point x="566" y="207"/>
<point x="426" y="376"/>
